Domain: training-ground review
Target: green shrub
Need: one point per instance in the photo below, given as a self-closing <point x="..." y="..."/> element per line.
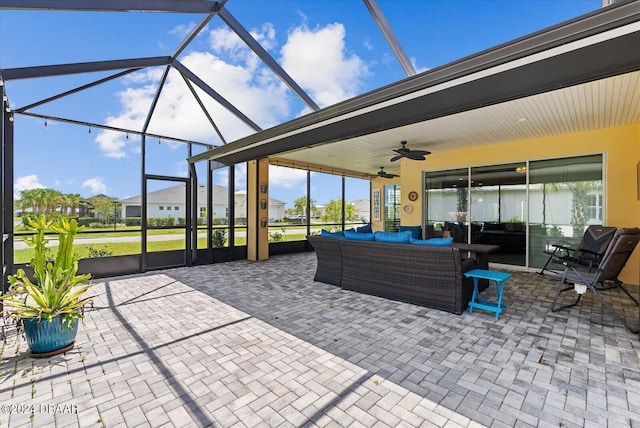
<point x="100" y="252"/>
<point x="86" y="221"/>
<point x="218" y="237"/>
<point x="161" y="221"/>
<point x="276" y="236"/>
<point x="133" y="221"/>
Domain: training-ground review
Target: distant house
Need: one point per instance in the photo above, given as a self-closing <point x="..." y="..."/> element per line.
<point x="170" y="202"/>
<point x="362" y="208"/>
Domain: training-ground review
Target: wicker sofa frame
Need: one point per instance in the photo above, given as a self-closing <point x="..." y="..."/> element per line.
<point x="422" y="275"/>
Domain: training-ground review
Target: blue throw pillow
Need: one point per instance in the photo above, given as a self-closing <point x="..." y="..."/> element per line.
<point x="365" y="229"/>
<point x="395" y="237"/>
<point x="416" y="231"/>
<point x="359" y="236"/>
<point x="327" y="234"/>
<point x="433" y="242"/>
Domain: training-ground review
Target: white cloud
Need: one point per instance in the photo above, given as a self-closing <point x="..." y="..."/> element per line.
<point x="153" y="74"/>
<point x="286" y="177"/>
<point x="183" y="30"/>
<point x="96" y="185"/>
<point x="221" y="177"/>
<point x="26" y="183"/>
<point x="241" y="175"/>
<point x="367" y="44"/>
<point x="225" y="41"/>
<point x="266" y="36"/>
<point x="182" y="169"/>
<point x="318" y="61"/>
<point x="111" y="144"/>
<point x="415" y="66"/>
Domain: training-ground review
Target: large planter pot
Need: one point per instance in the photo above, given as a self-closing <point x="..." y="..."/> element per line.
<point x="49" y="338"/>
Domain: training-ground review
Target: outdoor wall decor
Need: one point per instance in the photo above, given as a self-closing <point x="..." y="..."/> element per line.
<point x="376" y="205"/>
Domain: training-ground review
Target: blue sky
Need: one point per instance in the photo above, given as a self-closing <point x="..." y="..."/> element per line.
<point x="333" y="49"/>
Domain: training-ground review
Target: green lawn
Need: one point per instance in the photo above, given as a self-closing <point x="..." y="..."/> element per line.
<point x="293" y="233"/>
<point x="122" y="248"/>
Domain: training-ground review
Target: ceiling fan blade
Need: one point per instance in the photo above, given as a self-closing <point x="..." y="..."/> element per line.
<point x="395" y="158"/>
<point x="416" y="156"/>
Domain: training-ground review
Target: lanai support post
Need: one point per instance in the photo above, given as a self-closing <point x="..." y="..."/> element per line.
<point x="258" y="210"/>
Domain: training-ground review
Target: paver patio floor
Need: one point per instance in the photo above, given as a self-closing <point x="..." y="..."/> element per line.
<point x="263" y="345"/>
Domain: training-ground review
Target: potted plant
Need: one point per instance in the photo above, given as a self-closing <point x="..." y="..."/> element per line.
<point x="49" y="307"/>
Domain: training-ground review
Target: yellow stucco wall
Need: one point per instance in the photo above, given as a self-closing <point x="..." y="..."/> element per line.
<point x="620" y="145"/>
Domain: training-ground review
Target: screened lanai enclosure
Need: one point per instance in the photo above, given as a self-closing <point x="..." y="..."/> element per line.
<point x="178" y="213"/>
<point x="185" y="132"/>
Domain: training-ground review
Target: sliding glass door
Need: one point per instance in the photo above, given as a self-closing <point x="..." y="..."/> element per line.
<point x="499" y="210"/>
<point x="523" y="207"/>
<point x="566" y="197"/>
<point x="447" y="203"/>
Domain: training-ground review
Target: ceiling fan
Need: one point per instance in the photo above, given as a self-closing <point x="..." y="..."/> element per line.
<point x="384" y="174"/>
<point x="404" y="152"/>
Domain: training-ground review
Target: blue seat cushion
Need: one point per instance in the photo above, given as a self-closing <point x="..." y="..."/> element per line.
<point x="416" y="231"/>
<point x="433" y="242"/>
<point x="365" y="229"/>
<point x="359" y="236"/>
<point x="395" y="237"/>
<point x="327" y="234"/>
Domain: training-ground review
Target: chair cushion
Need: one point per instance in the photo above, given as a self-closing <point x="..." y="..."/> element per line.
<point x="359" y="236"/>
<point x="365" y="229"/>
<point x="395" y="237"/>
<point x="328" y="234"/>
<point x="416" y="231"/>
<point x="433" y="242"/>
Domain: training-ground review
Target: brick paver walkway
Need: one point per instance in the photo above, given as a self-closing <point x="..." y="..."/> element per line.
<point x="261" y="345"/>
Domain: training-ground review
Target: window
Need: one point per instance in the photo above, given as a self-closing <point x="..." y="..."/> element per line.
<point x="594" y="209"/>
<point x="168" y="208"/>
<point x="176" y="208"/>
<point x="161" y="208"/>
<point x="391" y="207"/>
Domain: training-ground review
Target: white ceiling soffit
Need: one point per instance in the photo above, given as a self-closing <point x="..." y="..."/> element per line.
<point x="614" y="101"/>
<point x="428" y="109"/>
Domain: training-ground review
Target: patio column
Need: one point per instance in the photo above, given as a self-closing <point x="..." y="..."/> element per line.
<point x="258" y="210"/>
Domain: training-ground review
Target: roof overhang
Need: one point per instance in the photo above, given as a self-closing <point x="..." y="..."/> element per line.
<point x="595" y="46"/>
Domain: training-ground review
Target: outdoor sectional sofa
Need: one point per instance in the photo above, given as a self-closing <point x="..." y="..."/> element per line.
<point x="430" y="276"/>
